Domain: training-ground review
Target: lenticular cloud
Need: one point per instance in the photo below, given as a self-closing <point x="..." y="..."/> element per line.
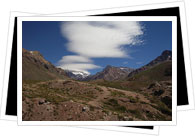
<point x="98" y="39"/>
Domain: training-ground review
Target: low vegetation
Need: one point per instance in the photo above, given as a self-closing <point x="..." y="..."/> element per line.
<point x="48" y="94"/>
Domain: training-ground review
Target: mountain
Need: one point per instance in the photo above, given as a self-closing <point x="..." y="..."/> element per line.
<point x="159" y="69"/>
<point x="165" y="56"/>
<point x="78" y="75"/>
<point x="35" y="67"/>
<point x="111" y="73"/>
<point x="146" y="96"/>
<point x="157" y="73"/>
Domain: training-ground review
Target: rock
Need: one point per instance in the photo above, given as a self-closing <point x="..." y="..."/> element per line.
<point x="85" y="109"/>
<point x="109" y="113"/>
<point x="69" y="117"/>
<point x="42" y="101"/>
<point x="156" y="84"/>
<point x="167" y="100"/>
<point x="115" y="113"/>
<point x="168" y="83"/>
<point x="151" y="86"/>
<point x="125" y="118"/>
<point x="124" y="99"/>
<point x="146" y="111"/>
<point x="46" y="102"/>
<point x="159" y="92"/>
<point x="49" y="108"/>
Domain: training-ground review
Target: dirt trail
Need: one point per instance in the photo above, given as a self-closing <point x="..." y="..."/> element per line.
<point x="107" y="92"/>
<point x="133" y="94"/>
<point x="104" y="95"/>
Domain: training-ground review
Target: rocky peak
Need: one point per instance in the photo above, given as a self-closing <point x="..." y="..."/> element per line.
<point x="78" y="75"/>
<point x="108" y="66"/>
<point x="40" y="69"/>
<point x="111" y="73"/>
<point x="165" y="55"/>
<point x="35" y="55"/>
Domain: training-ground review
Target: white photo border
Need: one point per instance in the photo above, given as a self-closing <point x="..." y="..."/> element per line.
<point x="98" y="123"/>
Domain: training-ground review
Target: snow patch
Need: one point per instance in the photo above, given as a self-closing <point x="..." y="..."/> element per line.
<point x="80" y="73"/>
<point x="122" y="68"/>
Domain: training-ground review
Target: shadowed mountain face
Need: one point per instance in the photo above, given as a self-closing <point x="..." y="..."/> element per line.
<point x="35" y="67"/>
<point x="111" y="73"/>
<point x="109" y="96"/>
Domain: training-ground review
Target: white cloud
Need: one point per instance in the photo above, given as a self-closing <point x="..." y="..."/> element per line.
<point x="101" y="39"/>
<point x="98" y="39"/>
<point x="73" y="59"/>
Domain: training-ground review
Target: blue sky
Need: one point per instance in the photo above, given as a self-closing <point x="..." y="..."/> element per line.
<point x="57" y="39"/>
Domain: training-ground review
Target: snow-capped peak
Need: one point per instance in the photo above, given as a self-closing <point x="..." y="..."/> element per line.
<point x="79" y="75"/>
<point x="122" y="68"/>
<point x="83" y="74"/>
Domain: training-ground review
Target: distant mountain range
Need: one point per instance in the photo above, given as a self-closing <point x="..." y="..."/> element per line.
<point x="111" y="73"/>
<point x="35" y="67"/>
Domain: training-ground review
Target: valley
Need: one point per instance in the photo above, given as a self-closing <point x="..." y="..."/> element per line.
<point x="114" y="94"/>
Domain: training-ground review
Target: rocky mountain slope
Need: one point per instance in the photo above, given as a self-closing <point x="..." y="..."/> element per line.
<point x="35" y="67"/>
<point x="111" y="73"/>
<point x="165" y="56"/>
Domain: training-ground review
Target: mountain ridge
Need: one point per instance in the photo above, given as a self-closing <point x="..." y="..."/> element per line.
<point x="111" y="73"/>
<point x="166" y="55"/>
<point x="35" y="67"/>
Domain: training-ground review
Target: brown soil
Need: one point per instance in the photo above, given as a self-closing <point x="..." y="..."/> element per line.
<point x="65" y="100"/>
